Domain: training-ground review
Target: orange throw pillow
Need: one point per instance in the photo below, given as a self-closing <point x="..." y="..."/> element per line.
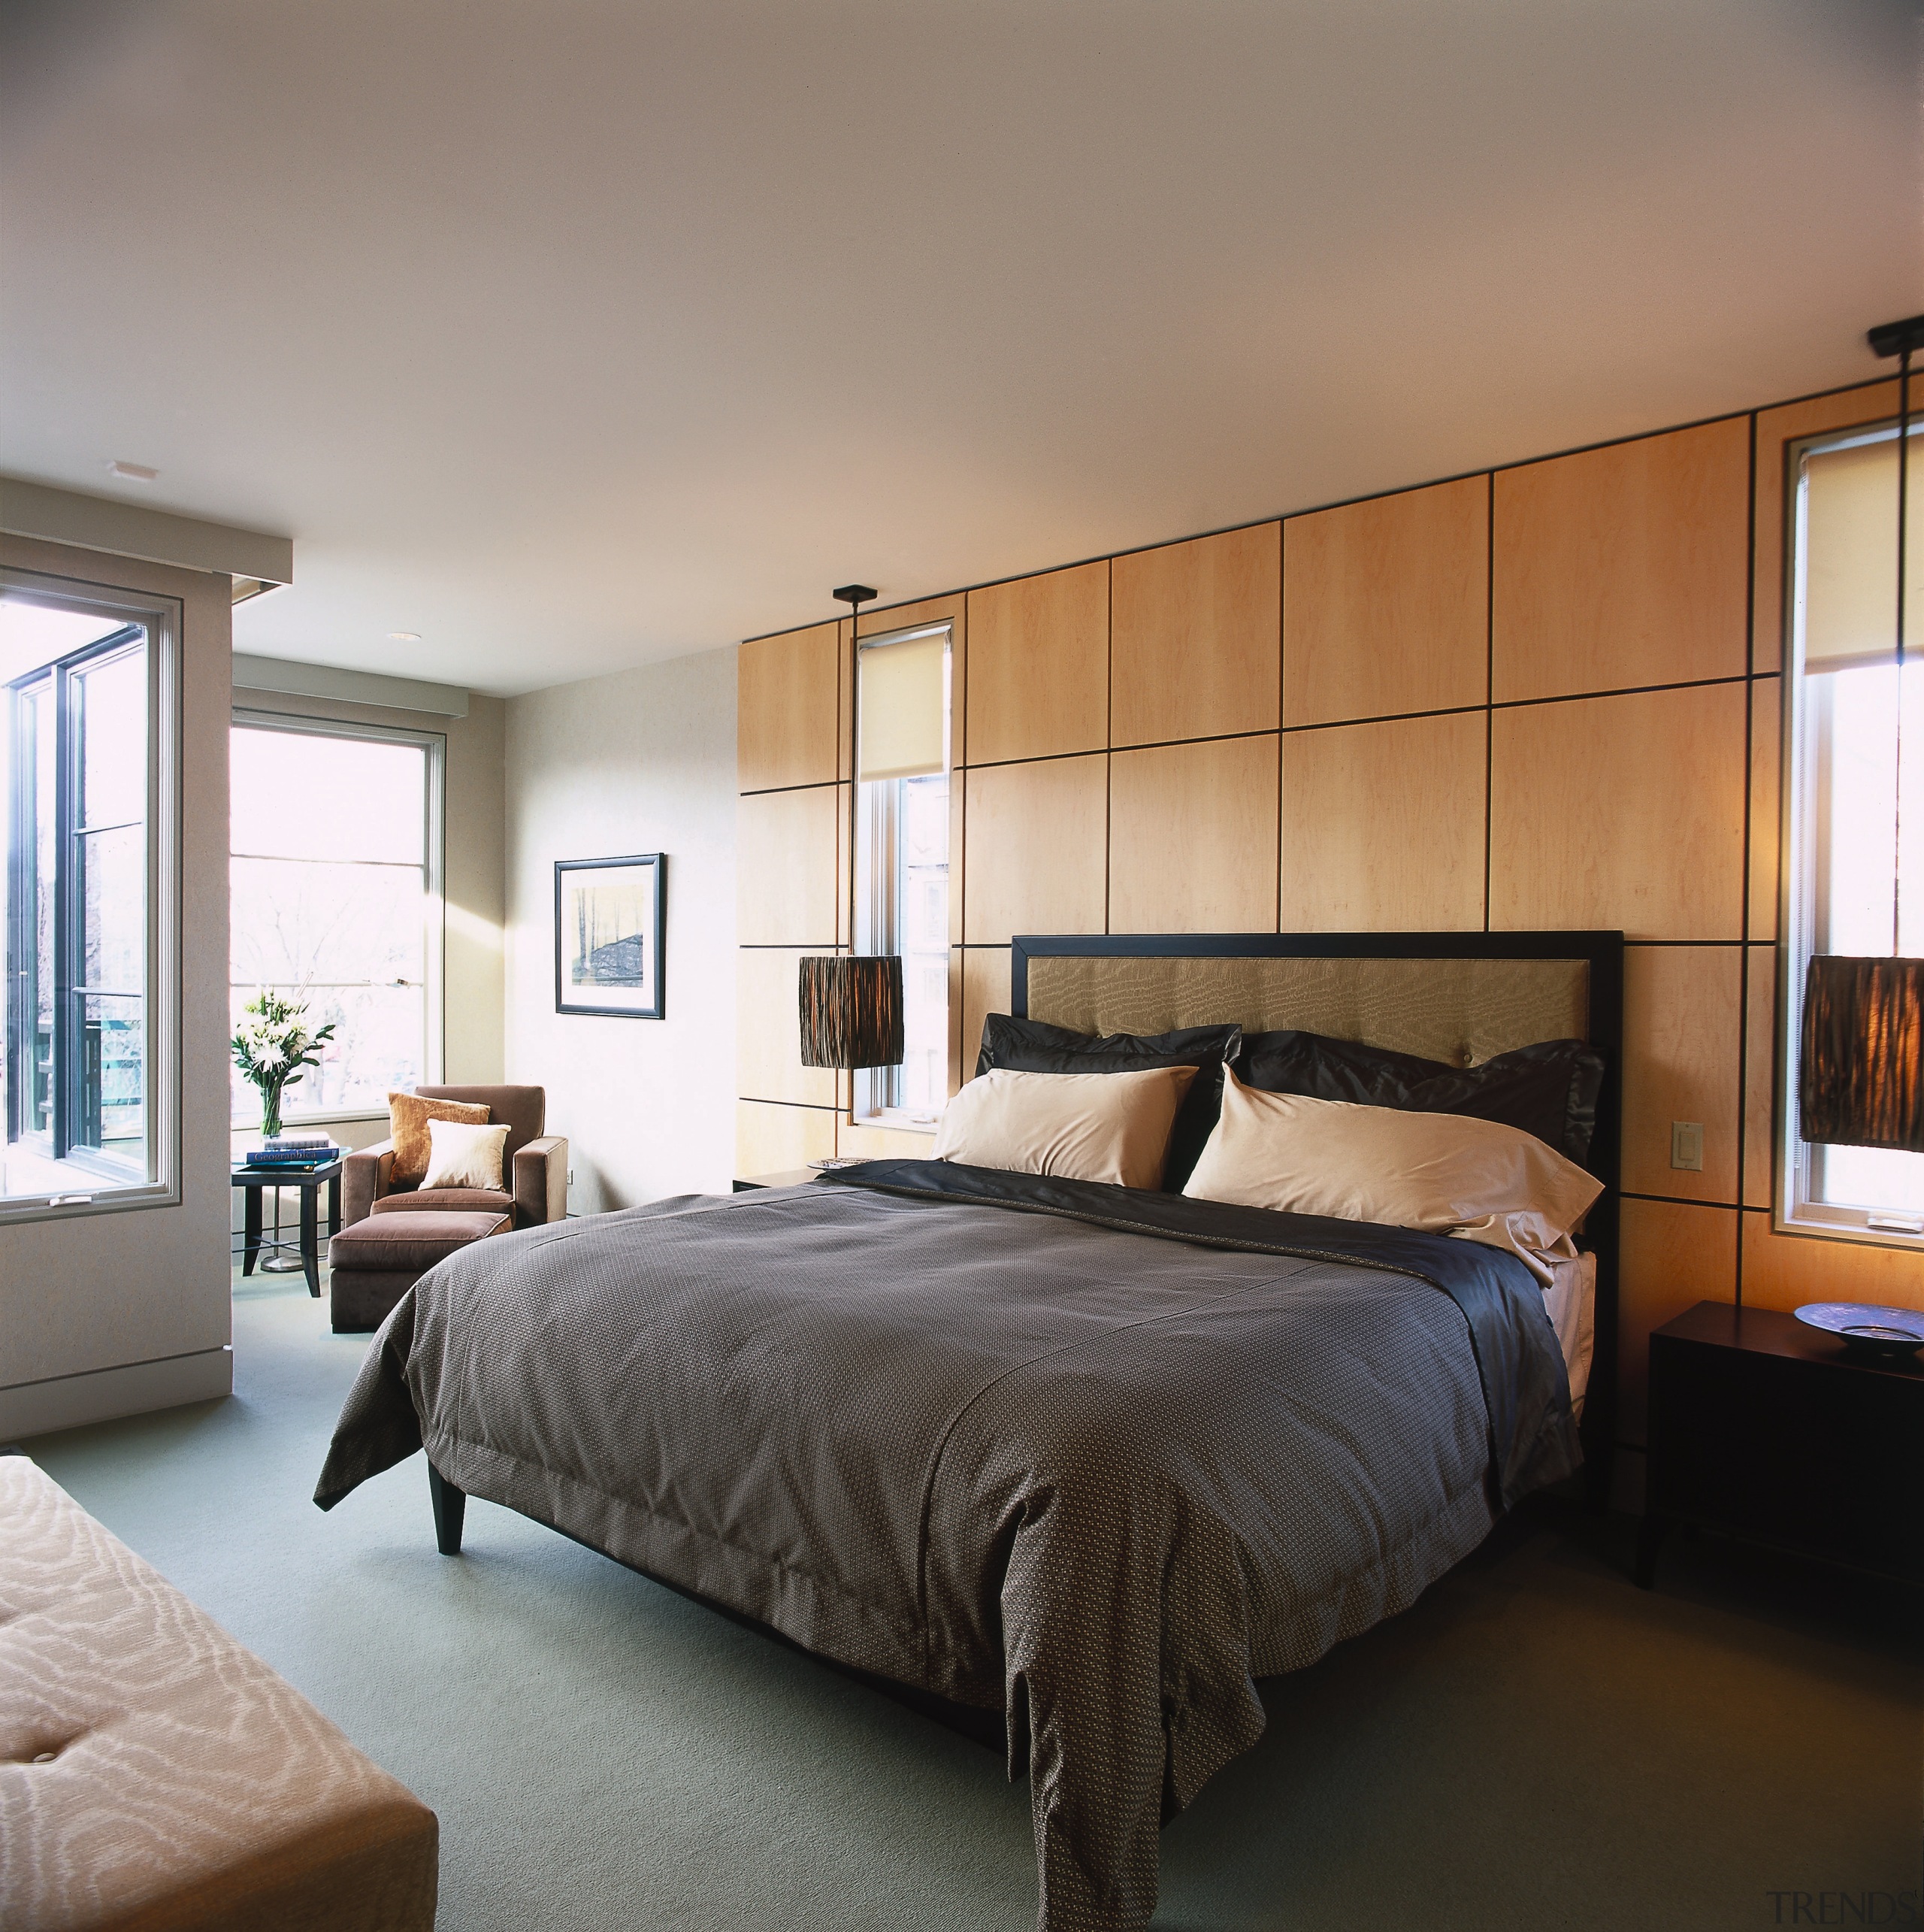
<point x="408" y="1116"/>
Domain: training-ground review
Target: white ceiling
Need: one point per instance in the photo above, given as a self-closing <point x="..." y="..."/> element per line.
<point x="574" y="333"/>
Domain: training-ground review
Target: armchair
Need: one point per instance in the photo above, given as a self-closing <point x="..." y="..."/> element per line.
<point x="534" y="1166"/>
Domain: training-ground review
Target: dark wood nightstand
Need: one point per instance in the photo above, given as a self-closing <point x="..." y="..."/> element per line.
<point x="790" y="1177"/>
<point x="1766" y="1429"/>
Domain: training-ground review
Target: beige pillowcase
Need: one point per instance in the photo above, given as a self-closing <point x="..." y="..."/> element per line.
<point x="408" y="1116"/>
<point x="461" y="1155"/>
<point x="1443" y="1172"/>
<point x="1079" y="1127"/>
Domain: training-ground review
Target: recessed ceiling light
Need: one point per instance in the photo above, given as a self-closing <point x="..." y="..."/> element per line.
<point x="131" y="472"/>
<point x="403" y="636"/>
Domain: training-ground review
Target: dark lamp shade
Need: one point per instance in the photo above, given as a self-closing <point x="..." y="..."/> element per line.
<point x="852" y="1011"/>
<point x="1861" y="1071"/>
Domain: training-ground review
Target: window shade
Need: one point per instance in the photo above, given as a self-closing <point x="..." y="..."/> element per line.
<point x="1850" y="576"/>
<point x="901" y="708"/>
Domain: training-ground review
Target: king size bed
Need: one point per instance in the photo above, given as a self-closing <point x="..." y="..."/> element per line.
<point x="1085" y="1459"/>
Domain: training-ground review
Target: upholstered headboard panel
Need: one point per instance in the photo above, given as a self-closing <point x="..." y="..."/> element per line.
<point x="1459" y="1011"/>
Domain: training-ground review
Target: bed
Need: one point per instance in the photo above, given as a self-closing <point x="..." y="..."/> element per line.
<point x="1084" y="1460"/>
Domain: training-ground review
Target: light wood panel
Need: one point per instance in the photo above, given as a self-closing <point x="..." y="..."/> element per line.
<point x="1038" y="665"/>
<point x="1622" y="566"/>
<point x="1760" y="1076"/>
<point x="1192" y="837"/>
<point x="787" y="869"/>
<point x="883" y="1143"/>
<point x="786" y="709"/>
<point x="1784" y="1271"/>
<point x="985" y="991"/>
<point x="1036" y="840"/>
<point x="1195" y="634"/>
<point x="771" y="1140"/>
<point x="1680" y="1006"/>
<point x="1383" y="826"/>
<point x="1875" y="402"/>
<point x="1766" y="803"/>
<point x="1385" y="605"/>
<point x="1672" y="1256"/>
<point x="1625" y="812"/>
<point x="768" y="1047"/>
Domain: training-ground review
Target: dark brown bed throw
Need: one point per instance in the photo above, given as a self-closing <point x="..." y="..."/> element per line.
<point x="1097" y="1457"/>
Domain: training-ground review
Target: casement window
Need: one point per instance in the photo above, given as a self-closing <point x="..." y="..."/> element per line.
<point x="335" y="880"/>
<point x="88" y="784"/>
<point x="902" y="812"/>
<point x="1842" y="860"/>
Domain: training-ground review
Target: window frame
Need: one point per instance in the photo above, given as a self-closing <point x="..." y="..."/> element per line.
<point x="876" y="823"/>
<point x="1793" y="1210"/>
<point x="434" y="914"/>
<point x="162" y="618"/>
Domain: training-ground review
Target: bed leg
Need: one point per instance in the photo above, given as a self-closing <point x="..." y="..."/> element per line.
<point x="450" y="1508"/>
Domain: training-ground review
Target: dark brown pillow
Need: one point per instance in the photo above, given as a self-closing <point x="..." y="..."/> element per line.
<point x="1549" y="1089"/>
<point x="1033" y="1046"/>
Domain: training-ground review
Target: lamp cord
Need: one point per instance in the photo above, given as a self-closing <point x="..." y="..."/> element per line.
<point x="1903" y="534"/>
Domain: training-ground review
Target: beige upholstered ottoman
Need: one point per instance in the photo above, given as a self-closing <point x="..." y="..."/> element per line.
<point x="155" y="1776"/>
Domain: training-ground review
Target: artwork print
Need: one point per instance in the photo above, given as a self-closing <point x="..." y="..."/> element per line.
<point x="608" y="935"/>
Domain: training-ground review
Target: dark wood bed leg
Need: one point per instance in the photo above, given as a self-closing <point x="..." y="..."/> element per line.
<point x="450" y="1510"/>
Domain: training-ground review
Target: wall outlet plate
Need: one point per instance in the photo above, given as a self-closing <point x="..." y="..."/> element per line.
<point x="1686" y="1145"/>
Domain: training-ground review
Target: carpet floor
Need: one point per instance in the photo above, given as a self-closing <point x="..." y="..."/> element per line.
<point x="1536" y="1744"/>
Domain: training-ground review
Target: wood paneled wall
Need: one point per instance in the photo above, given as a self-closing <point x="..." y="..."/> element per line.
<point x="1545" y="696"/>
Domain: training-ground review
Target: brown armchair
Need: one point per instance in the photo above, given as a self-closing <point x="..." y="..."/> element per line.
<point x="534" y="1164"/>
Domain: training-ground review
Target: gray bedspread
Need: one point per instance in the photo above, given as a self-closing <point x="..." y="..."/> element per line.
<point x="1014" y="1445"/>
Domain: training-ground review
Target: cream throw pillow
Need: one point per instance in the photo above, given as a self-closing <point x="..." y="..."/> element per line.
<point x="1079" y="1127"/>
<point x="1442" y="1173"/>
<point x="461" y="1156"/>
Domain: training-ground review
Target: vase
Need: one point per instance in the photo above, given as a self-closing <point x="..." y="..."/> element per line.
<point x="270" y="1111"/>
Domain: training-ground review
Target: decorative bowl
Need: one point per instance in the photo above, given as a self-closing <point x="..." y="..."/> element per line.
<point x="1866" y="1326"/>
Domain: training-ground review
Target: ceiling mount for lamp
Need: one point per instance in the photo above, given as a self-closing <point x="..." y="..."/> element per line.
<point x="856" y="594"/>
<point x="1888" y="338"/>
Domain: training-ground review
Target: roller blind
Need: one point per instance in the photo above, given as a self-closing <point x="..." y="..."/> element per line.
<point x="901" y="707"/>
<point x="1851" y="554"/>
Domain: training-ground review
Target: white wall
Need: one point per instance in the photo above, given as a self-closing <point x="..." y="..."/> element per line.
<point x="108" y="1314"/>
<point x="641" y="762"/>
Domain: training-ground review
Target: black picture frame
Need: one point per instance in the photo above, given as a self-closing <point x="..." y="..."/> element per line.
<point x="629" y="962"/>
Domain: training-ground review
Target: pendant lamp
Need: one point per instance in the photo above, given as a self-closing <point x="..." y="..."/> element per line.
<point x="1861" y="1066"/>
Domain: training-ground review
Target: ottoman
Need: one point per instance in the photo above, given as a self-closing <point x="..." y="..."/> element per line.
<point x="156" y="1775"/>
<point x="372" y="1264"/>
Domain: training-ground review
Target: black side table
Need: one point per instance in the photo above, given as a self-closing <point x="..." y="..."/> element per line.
<point x="791" y="1177"/>
<point x="1766" y="1429"/>
<point x="308" y="1180"/>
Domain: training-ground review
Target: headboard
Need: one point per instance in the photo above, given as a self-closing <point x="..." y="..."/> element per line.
<point x="1459" y="997"/>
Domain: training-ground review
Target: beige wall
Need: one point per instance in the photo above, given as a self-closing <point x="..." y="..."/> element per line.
<point x="107" y="1314"/>
<point x="1544" y="696"/>
<point x="643" y="761"/>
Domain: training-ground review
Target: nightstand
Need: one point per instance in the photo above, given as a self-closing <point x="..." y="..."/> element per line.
<point x="789" y="1177"/>
<point x="1764" y="1429"/>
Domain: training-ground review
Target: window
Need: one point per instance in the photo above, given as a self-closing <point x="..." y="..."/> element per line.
<point x="902" y="858"/>
<point x="336" y="889"/>
<point x="87" y="783"/>
<point x="1843" y="864"/>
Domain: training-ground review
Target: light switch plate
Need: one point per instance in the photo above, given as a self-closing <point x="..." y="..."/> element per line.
<point x="1686" y="1145"/>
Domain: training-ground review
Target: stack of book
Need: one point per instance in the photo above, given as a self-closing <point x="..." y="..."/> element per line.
<point x="294" y="1150"/>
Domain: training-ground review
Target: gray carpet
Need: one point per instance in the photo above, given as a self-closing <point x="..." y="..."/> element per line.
<point x="1537" y="1744"/>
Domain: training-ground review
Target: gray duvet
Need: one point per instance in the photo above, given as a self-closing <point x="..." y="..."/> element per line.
<point x="1019" y="1445"/>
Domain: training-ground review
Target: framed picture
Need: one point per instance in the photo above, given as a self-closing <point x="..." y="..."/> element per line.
<point x="608" y="935"/>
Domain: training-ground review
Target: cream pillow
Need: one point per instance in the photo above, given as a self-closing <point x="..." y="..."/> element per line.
<point x="461" y="1156"/>
<point x="1079" y="1127"/>
<point x="1443" y="1172"/>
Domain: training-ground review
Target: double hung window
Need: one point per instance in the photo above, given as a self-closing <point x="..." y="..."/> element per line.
<point x="87" y="783"/>
<point x="902" y="815"/>
<point x="335" y="880"/>
<point x="1845" y="859"/>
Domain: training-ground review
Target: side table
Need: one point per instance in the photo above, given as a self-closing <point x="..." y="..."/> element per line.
<point x="308" y="1180"/>
<point x="1766" y="1429"/>
<point x="789" y="1177"/>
